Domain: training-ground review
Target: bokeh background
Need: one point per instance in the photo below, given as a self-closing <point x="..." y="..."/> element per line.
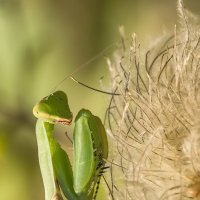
<point x="41" y="42"/>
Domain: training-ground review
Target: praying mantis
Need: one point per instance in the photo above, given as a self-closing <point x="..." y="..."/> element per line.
<point x="90" y="150"/>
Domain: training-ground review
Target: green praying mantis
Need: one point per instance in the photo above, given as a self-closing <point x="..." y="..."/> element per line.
<point x="90" y="150"/>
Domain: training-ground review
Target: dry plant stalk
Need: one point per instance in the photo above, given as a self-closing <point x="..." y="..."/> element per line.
<point x="154" y="123"/>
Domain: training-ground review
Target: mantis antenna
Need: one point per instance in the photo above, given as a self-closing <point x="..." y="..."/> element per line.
<point x="97" y="90"/>
<point x="83" y="66"/>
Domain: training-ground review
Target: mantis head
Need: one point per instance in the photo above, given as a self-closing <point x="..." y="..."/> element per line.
<point x="54" y="109"/>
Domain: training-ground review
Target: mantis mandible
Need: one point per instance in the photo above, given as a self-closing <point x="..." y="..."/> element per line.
<point x="90" y="150"/>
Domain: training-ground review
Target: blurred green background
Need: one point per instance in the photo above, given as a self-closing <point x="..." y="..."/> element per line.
<point x="43" y="41"/>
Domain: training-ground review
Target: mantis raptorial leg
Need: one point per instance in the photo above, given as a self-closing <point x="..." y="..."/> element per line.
<point x="90" y="147"/>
